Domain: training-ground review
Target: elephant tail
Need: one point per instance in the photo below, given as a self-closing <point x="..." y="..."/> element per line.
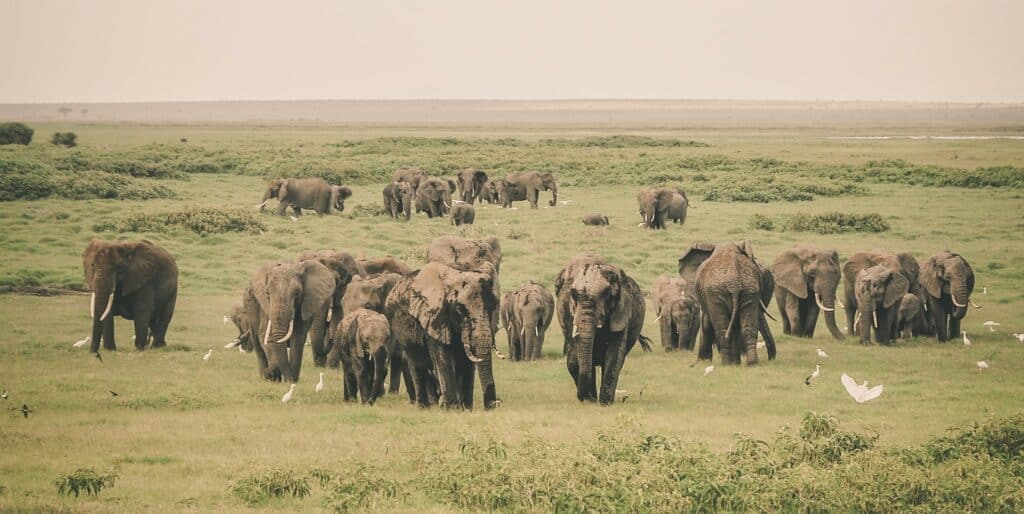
<point x="735" y="309"/>
<point x="645" y="343"/>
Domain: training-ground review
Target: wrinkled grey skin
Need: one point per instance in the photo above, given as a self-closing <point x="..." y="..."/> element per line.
<point x="910" y="316"/>
<point x="489" y="192"/>
<point x="344" y="268"/>
<point x="363" y="342"/>
<point x="733" y="291"/>
<point x="444" y="321"/>
<point x="139" y="281"/>
<point x="463" y="214"/>
<point x="946" y="280"/>
<point x="526" y="313"/>
<point x="657" y="206"/>
<point x="605" y="309"/>
<point x="677" y="311"/>
<point x="378" y="265"/>
<point x="434" y="197"/>
<point x="371" y="293"/>
<point x="527" y="185"/>
<point x="305" y="193"/>
<point x="465" y="254"/>
<point x="246" y="318"/>
<point x="296" y="294"/>
<point x="806" y="280"/>
<point x="595" y="219"/>
<point x="470" y="182"/>
<point x="398" y="200"/>
<point x="885" y="311"/>
<point x="411" y="176"/>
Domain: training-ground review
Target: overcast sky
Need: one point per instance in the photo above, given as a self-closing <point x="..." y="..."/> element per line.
<point x="143" y="50"/>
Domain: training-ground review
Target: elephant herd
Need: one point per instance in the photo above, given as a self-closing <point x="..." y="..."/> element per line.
<point x="434" y="328"/>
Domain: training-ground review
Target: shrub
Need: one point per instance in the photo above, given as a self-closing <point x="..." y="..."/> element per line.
<point x="15" y="133"/>
<point x="65" y="139"/>
<point x="837" y="222"/>
<point x="85" y="480"/>
<point x="761" y="222"/>
<point x="194" y="219"/>
<point x="367" y="210"/>
<point x="359" y="489"/>
<point x="80" y="186"/>
<point x="274" y="483"/>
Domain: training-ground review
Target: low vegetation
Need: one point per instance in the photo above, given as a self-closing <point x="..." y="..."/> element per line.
<point x="84" y="480"/>
<point x="15" y="133"/>
<point x="201" y="221"/>
<point x="258" y="488"/>
<point x="65" y="139"/>
<point x="826" y="223"/>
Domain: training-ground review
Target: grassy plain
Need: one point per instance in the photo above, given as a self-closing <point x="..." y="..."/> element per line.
<point x="180" y="431"/>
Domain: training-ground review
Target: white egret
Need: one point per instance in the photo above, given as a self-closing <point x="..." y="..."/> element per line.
<point x="226" y="320"/>
<point x="822" y="354"/>
<point x="861" y="393"/>
<point x="967" y="342"/>
<point x="288" y="396"/>
<point x="320" y="384"/>
<point x="83" y="342"/>
<point x="1020" y="337"/>
<point x="982" y="365"/>
<point x="984" y="290"/>
<point x="761" y="344"/>
<point x="209" y="353"/>
<point x="814" y="374"/>
<point x="708" y="370"/>
<point x="293" y="218"/>
<point x="991" y="325"/>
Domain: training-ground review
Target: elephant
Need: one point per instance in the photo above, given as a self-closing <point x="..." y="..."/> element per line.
<point x="378" y="265"/>
<point x="733" y="291"/>
<point x="293" y="298"/>
<point x="527" y="185"/>
<point x="246" y="318"/>
<point x="411" y="176"/>
<point x="136" y="280"/>
<point x="803" y="272"/>
<point x="601" y="311"/>
<point x="595" y="219"/>
<point x="465" y="254"/>
<point x="879" y="290"/>
<point x="910" y="316"/>
<point x="902" y="263"/>
<point x="434" y="197"/>
<point x="660" y="205"/>
<point x="526" y="314"/>
<point x="678" y="313"/>
<point x="363" y="343"/>
<point x="471" y="182"/>
<point x="344" y="268"/>
<point x="444" y="321"/>
<point x="947" y="281"/>
<point x="398" y="199"/>
<point x="371" y="293"/>
<point x="305" y="193"/>
<point x="489" y="192"/>
<point x="463" y="214"/>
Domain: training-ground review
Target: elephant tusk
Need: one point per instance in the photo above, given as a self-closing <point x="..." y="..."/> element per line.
<point x="232" y="344"/>
<point x="856" y="319"/>
<point x="110" y="304"/>
<point x="92" y="306"/>
<point x="953" y="297"/>
<point x="262" y="204"/>
<point x="266" y="337"/>
<point x="658" y="318"/>
<point x="641" y="224"/>
<point x="874" y="318"/>
<point x="330" y="312"/>
<point x="522" y="331"/>
<point x="925" y="305"/>
<point x="291" y="326"/>
<point x="575" y="330"/>
<point x="536" y="331"/>
<point x="976" y="306"/>
<point x="765" y="309"/>
<point x="817" y="298"/>
<point x="469" y="354"/>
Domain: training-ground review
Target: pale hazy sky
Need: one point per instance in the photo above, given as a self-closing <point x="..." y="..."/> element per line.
<point x="142" y="50"/>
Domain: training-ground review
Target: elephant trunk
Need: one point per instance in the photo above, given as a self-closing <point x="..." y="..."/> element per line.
<point x="478" y="349"/>
<point x="584" y="326"/>
<point x="827" y="303"/>
<point x="276" y="342"/>
<point x="554" y="194"/>
<point x="961" y="296"/>
<point x="865" y="315"/>
<point x="104" y="289"/>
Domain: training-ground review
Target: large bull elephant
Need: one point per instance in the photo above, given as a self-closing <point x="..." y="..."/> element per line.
<point x="657" y="206"/>
<point x="411" y="176"/>
<point x="733" y="291"/>
<point x="601" y="311"/>
<point x="880" y="290"/>
<point x="398" y="199"/>
<point x="678" y="313"/>
<point x="806" y="280"/>
<point x="305" y="193"/>
<point x="471" y="182"/>
<point x="344" y="268"/>
<point x="948" y="281"/>
<point x="434" y="197"/>
<point x="526" y="313"/>
<point x="136" y="280"/>
<point x="293" y="297"/>
<point x="444" y="321"/>
<point x="527" y="185"/>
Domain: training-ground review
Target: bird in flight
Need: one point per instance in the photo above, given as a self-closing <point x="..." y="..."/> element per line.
<point x="861" y="393"/>
<point x="814" y="374"/>
<point x="113" y="393"/>
<point x="991" y="325"/>
<point x="25" y="410"/>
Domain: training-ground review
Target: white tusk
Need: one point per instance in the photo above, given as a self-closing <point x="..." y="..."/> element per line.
<point x="536" y="330"/>
<point x="575" y="330"/>
<point x="266" y="337"/>
<point x="658" y="318"/>
<point x="856" y="319"/>
<point x="469" y="354"/>
<point x="110" y="304"/>
<point x="925" y="304"/>
<point x="522" y="332"/>
<point x="291" y="326"/>
<point x="234" y="343"/>
<point x="817" y="299"/>
<point x="640" y="224"/>
<point x="874" y="318"/>
<point x="262" y="204"/>
<point x="953" y="297"/>
<point x="330" y="312"/>
<point x="92" y="306"/>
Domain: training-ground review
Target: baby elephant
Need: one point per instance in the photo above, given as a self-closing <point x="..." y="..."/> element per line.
<point x="910" y="316"/>
<point x="595" y="219"/>
<point x="363" y="339"/>
<point x="678" y="313"/>
<point x="463" y="214"/>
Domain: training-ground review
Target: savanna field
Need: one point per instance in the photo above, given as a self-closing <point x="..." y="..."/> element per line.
<point x="182" y="434"/>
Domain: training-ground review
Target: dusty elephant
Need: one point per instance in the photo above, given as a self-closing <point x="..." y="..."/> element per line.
<point x="595" y="219"/>
<point x="398" y="200"/>
<point x="657" y="206"/>
<point x="880" y="313"/>
<point x="910" y="316"/>
<point x="371" y="293"/>
<point x="733" y="291"/>
<point x="463" y="214"/>
<point x="363" y="339"/>
<point x="305" y="193"/>
<point x="678" y="313"/>
<point x="527" y="185"/>
<point x="806" y="280"/>
<point x="136" y="280"/>
<point x="411" y="176"/>
<point x="378" y="265"/>
<point x="601" y="311"/>
<point x="526" y="313"/>
<point x="344" y="268"/>
<point x="444" y="320"/>
<point x="465" y="254"/>
<point x="489" y="192"/>
<point x="246" y="318"/>
<point x="434" y="197"/>
<point x="471" y="182"/>
<point x="948" y="281"/>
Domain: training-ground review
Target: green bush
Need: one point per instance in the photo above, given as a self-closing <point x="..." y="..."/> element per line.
<point x="15" y="133"/>
<point x="761" y="222"/>
<point x="257" y="488"/>
<point x="83" y="480"/>
<point x="358" y="489"/>
<point x="65" y="139"/>
<point x="827" y="223"/>
<point x="194" y="219"/>
<point x="79" y="186"/>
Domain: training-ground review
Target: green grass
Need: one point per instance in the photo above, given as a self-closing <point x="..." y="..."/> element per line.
<point x="181" y="431"/>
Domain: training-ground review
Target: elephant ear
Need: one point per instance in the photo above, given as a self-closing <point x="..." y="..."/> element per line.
<point x="665" y="199"/>
<point x="909" y="265"/>
<point x="451" y="185"/>
<point x="693" y="258"/>
<point x="746" y="248"/>
<point x="282" y="193"/>
<point x="929" y="278"/>
<point x="317" y="287"/>
<point x="894" y="291"/>
<point x="620" y="317"/>
<point x="88" y="256"/>
<point x="141" y="259"/>
<point x="767" y="285"/>
<point x="789" y="273"/>
<point x="427" y="301"/>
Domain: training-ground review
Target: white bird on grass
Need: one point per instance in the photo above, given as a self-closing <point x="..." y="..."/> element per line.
<point x="982" y="365"/>
<point x="814" y="374"/>
<point x="622" y="395"/>
<point x="209" y="353"/>
<point x="991" y="325"/>
<point x="822" y="354"/>
<point x="83" y="342"/>
<point x="293" y="218"/>
<point x="984" y="290"/>
<point x="708" y="370"/>
<point x="861" y="393"/>
<point x="288" y="396"/>
<point x="320" y="384"/>
<point x="1020" y="337"/>
<point x="226" y="320"/>
<point x="761" y="344"/>
<point x="967" y="342"/>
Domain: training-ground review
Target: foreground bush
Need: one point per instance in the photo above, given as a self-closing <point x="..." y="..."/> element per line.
<point x="15" y="133"/>
<point x="65" y="139"/>
<point x="257" y="488"/>
<point x="83" y="480"/>
<point x="827" y="223"/>
<point x="198" y="220"/>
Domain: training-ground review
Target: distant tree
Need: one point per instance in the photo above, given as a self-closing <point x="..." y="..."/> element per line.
<point x="184" y="140"/>
<point x="15" y="134"/>
<point x="64" y="111"/>
<point x="66" y="139"/>
<point x="84" y="111"/>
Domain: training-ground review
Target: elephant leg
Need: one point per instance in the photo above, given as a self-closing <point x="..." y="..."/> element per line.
<point x="395" y="363"/>
<point x="419" y="381"/>
<point x="769" y="339"/>
<point x="317" y="335"/>
<point x="142" y="310"/>
<point x="410" y="386"/>
<point x="792" y="318"/>
<point x="298" y="345"/>
<point x="444" y="366"/>
<point x="261" y="354"/>
<point x="851" y="315"/>
<point x="351" y="383"/>
<point x="532" y="196"/>
<point x="750" y="325"/>
<point x="810" y="318"/>
<point x="780" y="302"/>
<point x="938" y="320"/>
<point x="464" y="370"/>
<point x="281" y="208"/>
<point x="954" y="326"/>
<point x="141" y="333"/>
<point x="538" y="345"/>
<point x="108" y="334"/>
<point x="707" y="338"/>
<point x="614" y="357"/>
<point x="161" y="320"/>
<point x="365" y="381"/>
<point x="666" y="332"/>
<point x="380" y="372"/>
